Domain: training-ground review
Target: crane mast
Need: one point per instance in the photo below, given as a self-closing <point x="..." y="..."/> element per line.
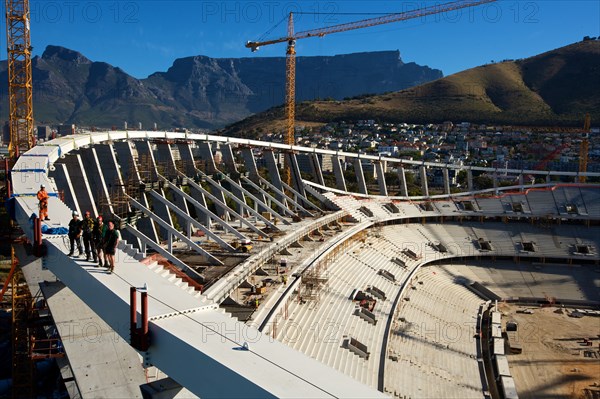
<point x="20" y="100"/>
<point x="290" y="94"/>
<point x="583" y="149"/>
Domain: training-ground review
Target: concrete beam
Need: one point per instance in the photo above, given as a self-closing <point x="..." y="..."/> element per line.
<point x="360" y="176"/>
<point x="230" y="167"/>
<point x="340" y="181"/>
<point x="110" y="167"/>
<point x="63" y="180"/>
<point x="98" y="184"/>
<point x="208" y="161"/>
<point x="297" y="183"/>
<point x="446" y="176"/>
<point x="187" y="159"/>
<point x="402" y="178"/>
<point x="250" y="163"/>
<point x="305" y="199"/>
<point x="424" y="183"/>
<point x="146" y="164"/>
<point x="381" y="179"/>
<point x="80" y="181"/>
<point x="317" y="172"/>
<point x="165" y="161"/>
<point x="469" y="180"/>
<point x="210" y="168"/>
<point x="163" y="212"/>
<point x="127" y="162"/>
<point x="269" y="157"/>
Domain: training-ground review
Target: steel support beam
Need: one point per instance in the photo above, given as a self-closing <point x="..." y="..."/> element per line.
<point x="242" y="205"/>
<point x="221" y="204"/>
<point x="230" y="167"/>
<point x="206" y="211"/>
<point x="257" y="200"/>
<point x="182" y="213"/>
<point x="305" y="199"/>
<point x="275" y="200"/>
<point x="282" y="193"/>
<point x="147" y="242"/>
<point x="163" y="224"/>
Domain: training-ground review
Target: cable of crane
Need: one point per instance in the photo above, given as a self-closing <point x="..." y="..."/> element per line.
<point x="267" y="33"/>
<point x="347" y="13"/>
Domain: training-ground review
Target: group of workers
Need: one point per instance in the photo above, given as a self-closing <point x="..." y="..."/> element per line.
<point x="100" y="240"/>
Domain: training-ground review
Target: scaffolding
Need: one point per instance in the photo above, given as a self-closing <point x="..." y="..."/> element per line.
<point x="316" y="280"/>
<point x="22" y="363"/>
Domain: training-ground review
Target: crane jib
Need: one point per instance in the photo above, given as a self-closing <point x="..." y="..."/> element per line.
<point x="386" y="19"/>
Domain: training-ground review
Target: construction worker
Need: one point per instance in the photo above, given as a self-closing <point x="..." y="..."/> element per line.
<point x="111" y="240"/>
<point x="75" y="233"/>
<point x="98" y="235"/>
<point x="42" y="197"/>
<point x="87" y="226"/>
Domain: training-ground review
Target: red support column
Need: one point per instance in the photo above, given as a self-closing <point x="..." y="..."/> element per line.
<point x="37" y="237"/>
<point x="133" y="316"/>
<point x="145" y="342"/>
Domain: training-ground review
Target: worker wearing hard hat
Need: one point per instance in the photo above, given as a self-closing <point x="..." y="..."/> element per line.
<point x="42" y="197"/>
<point x="75" y="229"/>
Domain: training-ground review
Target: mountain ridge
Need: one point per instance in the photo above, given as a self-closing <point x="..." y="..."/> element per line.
<point x="556" y="87"/>
<point x="200" y="91"/>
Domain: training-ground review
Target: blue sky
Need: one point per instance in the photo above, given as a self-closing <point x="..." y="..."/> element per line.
<point x="145" y="36"/>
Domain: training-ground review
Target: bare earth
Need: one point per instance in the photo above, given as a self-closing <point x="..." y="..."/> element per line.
<point x="555" y="362"/>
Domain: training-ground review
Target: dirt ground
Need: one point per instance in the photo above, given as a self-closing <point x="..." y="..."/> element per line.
<point x="555" y="362"/>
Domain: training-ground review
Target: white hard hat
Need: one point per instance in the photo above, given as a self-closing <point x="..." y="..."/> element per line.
<point x="42" y="186"/>
<point x="75" y="213"/>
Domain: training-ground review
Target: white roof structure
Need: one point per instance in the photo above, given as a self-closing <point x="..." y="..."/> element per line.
<point x="192" y="336"/>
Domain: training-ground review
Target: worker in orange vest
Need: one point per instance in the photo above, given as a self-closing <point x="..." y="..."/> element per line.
<point x="42" y="196"/>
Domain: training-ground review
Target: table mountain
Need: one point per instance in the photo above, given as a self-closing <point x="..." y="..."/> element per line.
<point x="200" y="91"/>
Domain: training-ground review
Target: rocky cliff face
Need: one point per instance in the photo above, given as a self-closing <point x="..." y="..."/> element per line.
<point x="202" y="91"/>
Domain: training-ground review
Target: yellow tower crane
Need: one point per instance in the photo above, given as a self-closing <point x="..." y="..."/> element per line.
<point x="20" y="102"/>
<point x="583" y="149"/>
<point x="290" y="96"/>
